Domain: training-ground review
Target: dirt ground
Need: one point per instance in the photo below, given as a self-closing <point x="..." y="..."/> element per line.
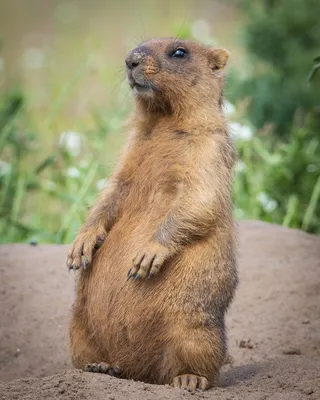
<point x="273" y="325"/>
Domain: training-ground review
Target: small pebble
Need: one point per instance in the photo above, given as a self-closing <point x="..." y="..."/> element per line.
<point x="245" y="344"/>
<point x="292" y="351"/>
<point x="308" y="391"/>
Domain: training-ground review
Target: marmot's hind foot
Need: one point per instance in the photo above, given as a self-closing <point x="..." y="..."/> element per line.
<point x="190" y="382"/>
<point x="102" y="368"/>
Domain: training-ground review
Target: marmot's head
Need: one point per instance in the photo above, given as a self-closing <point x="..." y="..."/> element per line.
<point x="169" y="74"/>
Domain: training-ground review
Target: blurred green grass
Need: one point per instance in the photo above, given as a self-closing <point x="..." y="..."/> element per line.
<point x="50" y="174"/>
<point x="47" y="201"/>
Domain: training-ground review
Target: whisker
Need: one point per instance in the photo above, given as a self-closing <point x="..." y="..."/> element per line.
<point x="182" y="25"/>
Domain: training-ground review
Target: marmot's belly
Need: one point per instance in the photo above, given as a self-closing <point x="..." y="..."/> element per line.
<point x="119" y="300"/>
<point x="127" y="318"/>
<point x="132" y="320"/>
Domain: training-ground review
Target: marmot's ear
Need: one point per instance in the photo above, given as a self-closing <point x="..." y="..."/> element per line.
<point x="217" y="58"/>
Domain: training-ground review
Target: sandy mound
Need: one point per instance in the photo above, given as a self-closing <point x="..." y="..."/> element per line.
<point x="276" y="312"/>
<point x="297" y="378"/>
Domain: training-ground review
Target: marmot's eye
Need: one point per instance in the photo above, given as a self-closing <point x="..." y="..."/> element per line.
<point x="179" y="53"/>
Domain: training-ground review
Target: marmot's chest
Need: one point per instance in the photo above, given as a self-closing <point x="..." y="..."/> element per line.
<point x="162" y="156"/>
<point x="155" y="182"/>
<point x="159" y="174"/>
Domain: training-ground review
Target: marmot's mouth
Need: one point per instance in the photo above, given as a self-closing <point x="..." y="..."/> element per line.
<point x="138" y="86"/>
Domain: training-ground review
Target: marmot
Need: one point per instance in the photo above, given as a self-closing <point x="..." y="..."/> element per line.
<point x="151" y="300"/>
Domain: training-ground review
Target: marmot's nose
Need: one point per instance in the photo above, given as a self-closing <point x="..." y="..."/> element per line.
<point x="134" y="59"/>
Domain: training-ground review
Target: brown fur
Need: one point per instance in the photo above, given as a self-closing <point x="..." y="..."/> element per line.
<point x="168" y="209"/>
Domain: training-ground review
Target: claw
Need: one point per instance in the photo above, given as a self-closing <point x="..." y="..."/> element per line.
<point x="116" y="370"/>
<point x="150" y="275"/>
<point x="99" y="243"/>
<point x="137" y="276"/>
<point x="85" y="262"/>
<point x="74" y="267"/>
<point x="129" y="275"/>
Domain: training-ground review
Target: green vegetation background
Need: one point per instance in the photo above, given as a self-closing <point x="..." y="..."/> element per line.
<point x="274" y="109"/>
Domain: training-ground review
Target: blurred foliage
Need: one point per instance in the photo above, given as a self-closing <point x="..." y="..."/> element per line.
<point x="279" y="178"/>
<point x="279" y="182"/>
<point x="275" y="181"/>
<point x="314" y="68"/>
<point x="281" y="38"/>
<point x="46" y="201"/>
<point x="275" y="122"/>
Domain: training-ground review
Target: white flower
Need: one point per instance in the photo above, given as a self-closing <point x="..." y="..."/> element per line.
<point x="272" y="205"/>
<point x="5" y="168"/>
<point x="311" y="168"/>
<point x="263" y="198"/>
<point x="229" y="108"/>
<point x="267" y="202"/>
<point x="242" y="132"/>
<point x="50" y="185"/>
<point x="71" y="141"/>
<point x="241" y="166"/>
<point x="33" y="58"/>
<point x="200" y="30"/>
<point x="101" y="183"/>
<point x="73" y="172"/>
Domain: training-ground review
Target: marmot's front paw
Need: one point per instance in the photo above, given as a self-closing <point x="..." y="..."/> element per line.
<point x="84" y="247"/>
<point x="148" y="261"/>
